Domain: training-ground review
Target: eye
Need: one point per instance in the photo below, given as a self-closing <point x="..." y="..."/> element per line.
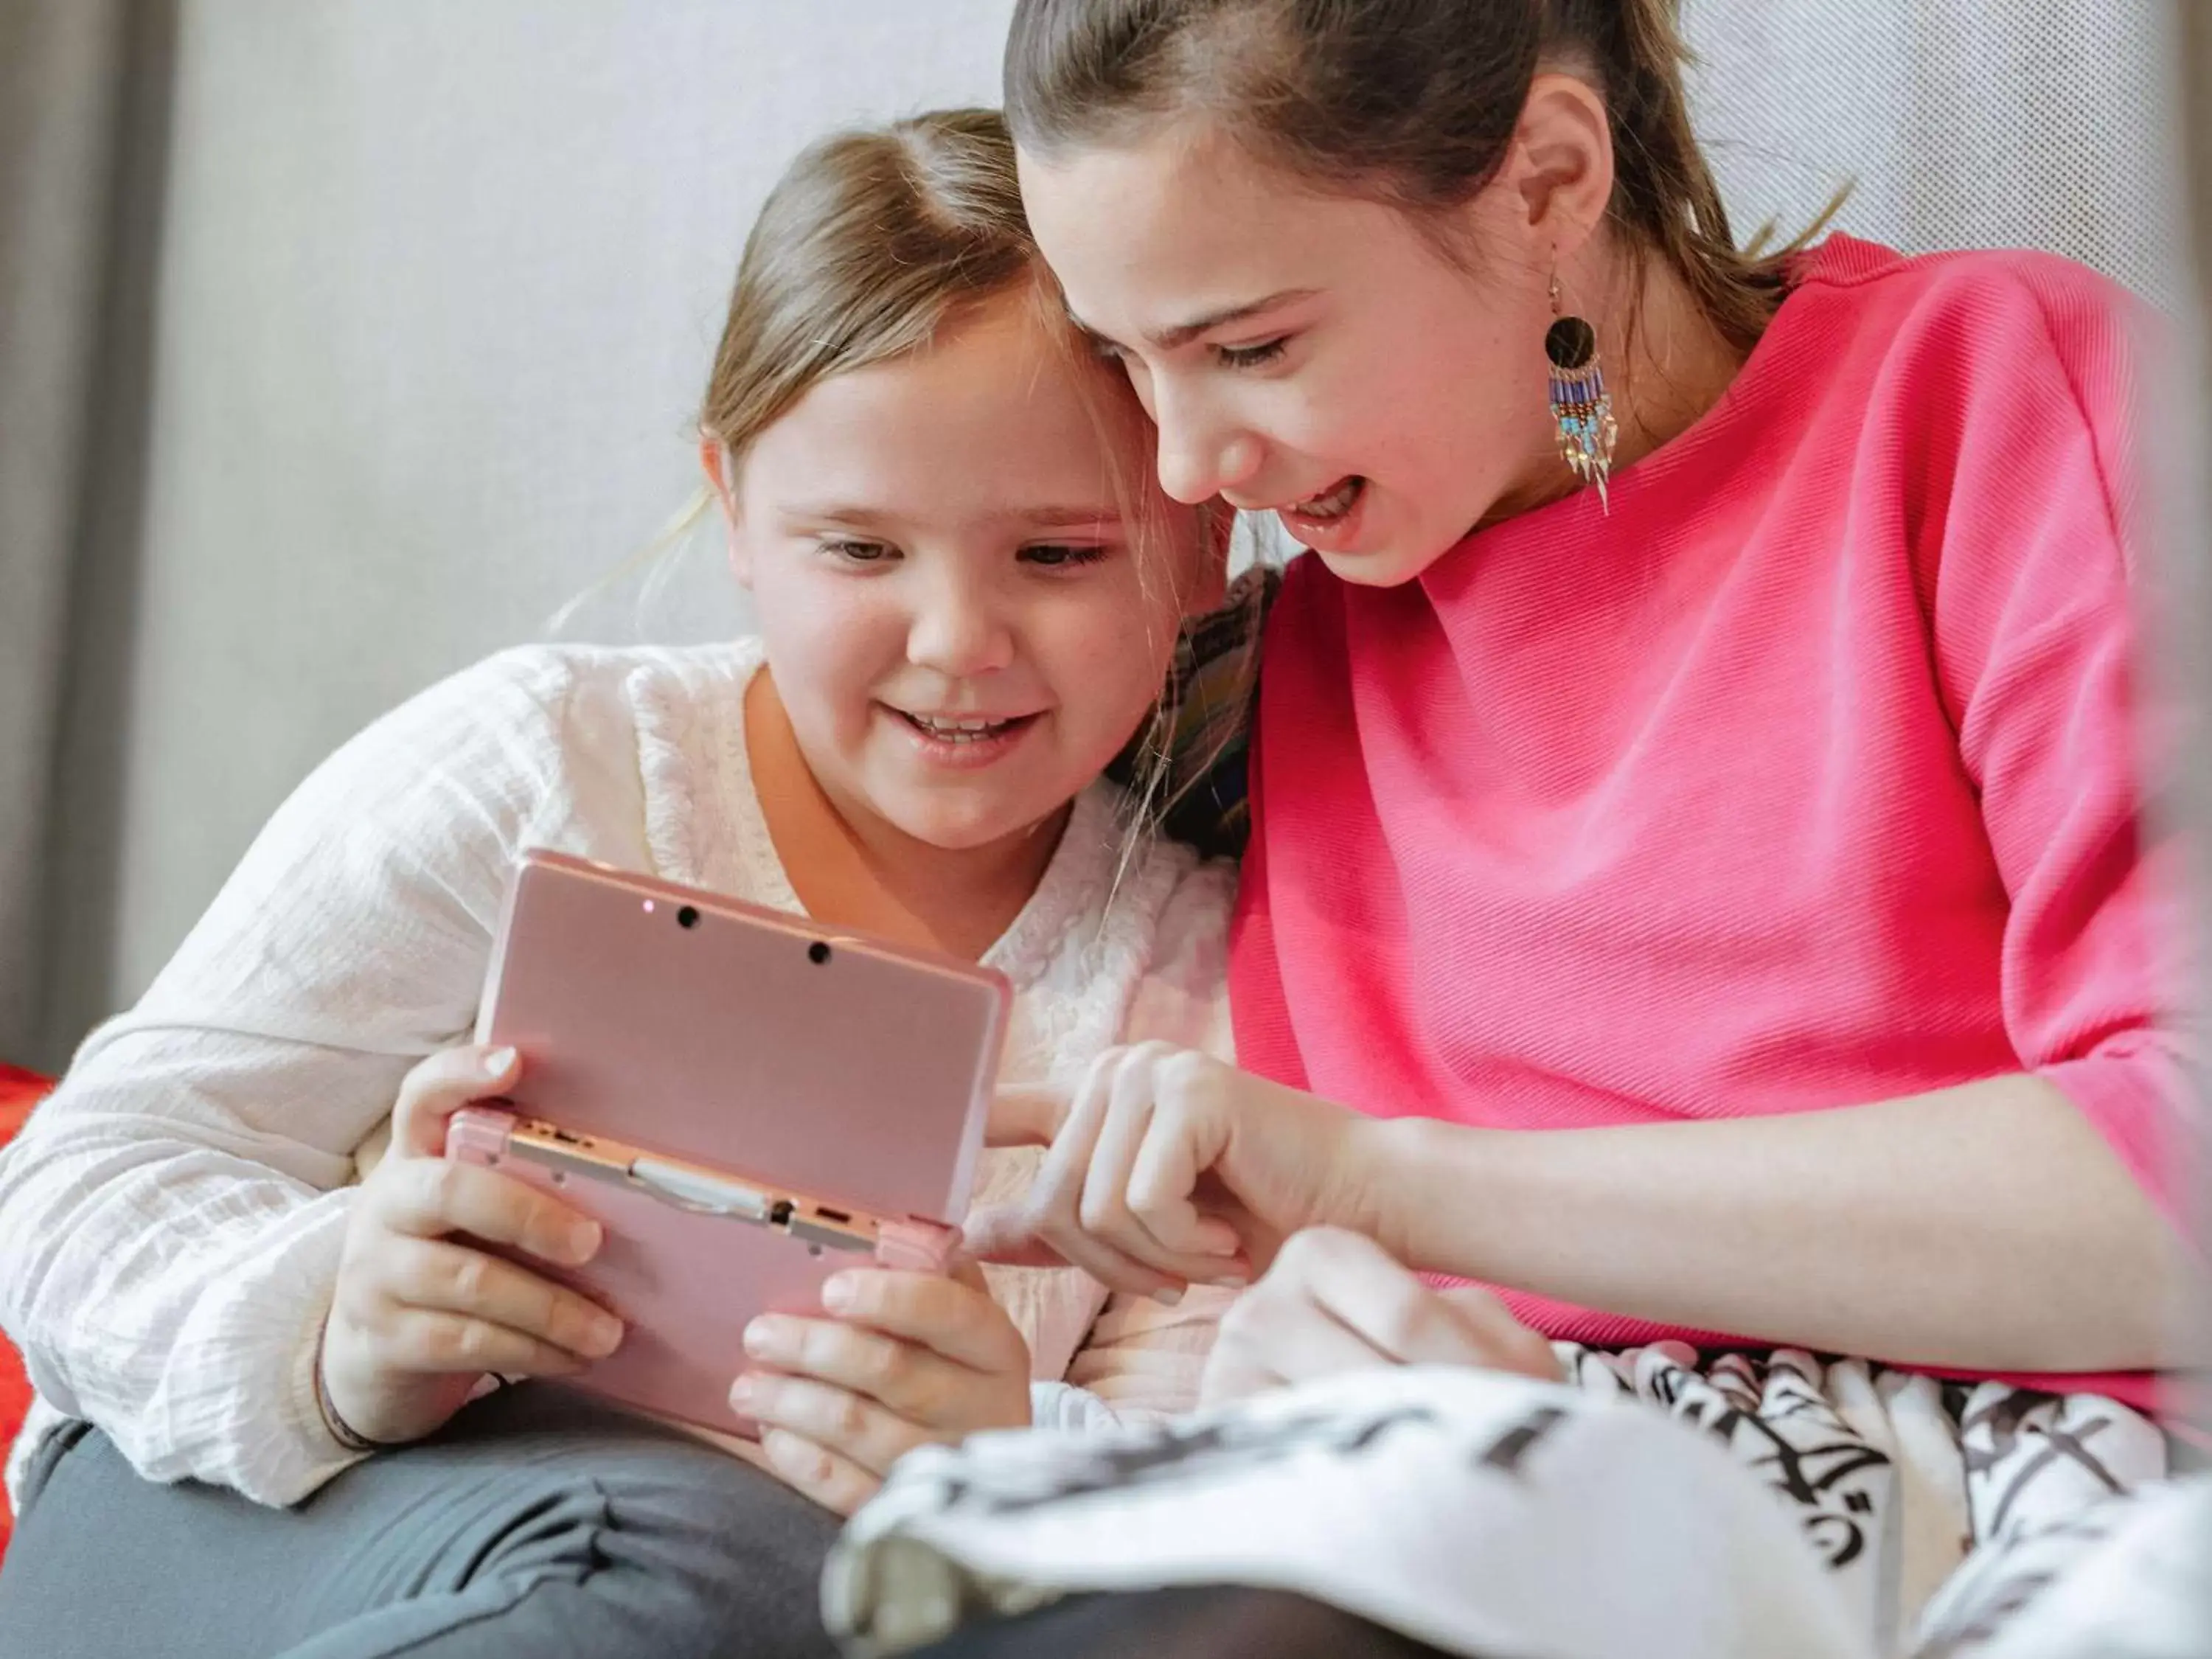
<point x="1061" y="556"/>
<point x="1251" y="357"/>
<point x="848" y="552"/>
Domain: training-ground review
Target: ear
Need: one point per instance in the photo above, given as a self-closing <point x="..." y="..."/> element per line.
<point x="1557" y="179"/>
<point x="715" y="462"/>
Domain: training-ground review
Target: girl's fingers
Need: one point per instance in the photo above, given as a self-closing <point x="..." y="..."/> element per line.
<point x="1108" y="1265"/>
<point x="1162" y="1144"/>
<point x="430" y="1341"/>
<point x="1058" y="1183"/>
<point x="834" y="1481"/>
<point x="430" y="1197"/>
<point x="443" y="1084"/>
<point x="957" y="1320"/>
<point x="1268" y="1340"/>
<point x="1010" y="1236"/>
<point x="1103" y="1208"/>
<point x="1511" y="1346"/>
<point x="863" y="1431"/>
<point x="1165" y="1180"/>
<point x="1364" y="1287"/>
<point x="1188" y="1133"/>
<point x="451" y="1278"/>
<point x="902" y="1376"/>
<point x="1056" y="1195"/>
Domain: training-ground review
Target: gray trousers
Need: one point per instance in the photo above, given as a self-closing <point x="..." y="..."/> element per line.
<point x="535" y="1523"/>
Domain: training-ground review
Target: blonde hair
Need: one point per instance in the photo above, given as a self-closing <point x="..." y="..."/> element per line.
<point x="871" y="243"/>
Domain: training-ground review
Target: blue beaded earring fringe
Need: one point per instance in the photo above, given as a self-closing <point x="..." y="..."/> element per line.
<point x="1582" y="408"/>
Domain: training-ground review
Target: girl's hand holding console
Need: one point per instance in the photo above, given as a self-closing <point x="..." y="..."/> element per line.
<point x="905" y="1359"/>
<point x="418" y="1319"/>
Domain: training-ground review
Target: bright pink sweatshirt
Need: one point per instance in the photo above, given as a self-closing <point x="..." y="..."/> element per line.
<point x="1808" y="777"/>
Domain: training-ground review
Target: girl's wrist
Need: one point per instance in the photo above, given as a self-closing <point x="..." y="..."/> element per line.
<point x="333" y="1420"/>
<point x="1422" y="1190"/>
<point x="1375" y="1193"/>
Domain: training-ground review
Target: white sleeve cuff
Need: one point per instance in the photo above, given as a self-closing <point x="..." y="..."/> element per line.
<point x="1063" y="1407"/>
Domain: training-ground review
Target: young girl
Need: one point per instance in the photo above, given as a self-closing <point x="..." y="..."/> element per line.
<point x="968" y="591"/>
<point x="1699" y="883"/>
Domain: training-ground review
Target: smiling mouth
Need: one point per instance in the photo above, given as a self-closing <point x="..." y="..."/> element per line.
<point x="1331" y="504"/>
<point x="945" y="730"/>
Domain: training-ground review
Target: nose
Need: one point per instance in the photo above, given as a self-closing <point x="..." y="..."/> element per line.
<point x="957" y="629"/>
<point x="1202" y="453"/>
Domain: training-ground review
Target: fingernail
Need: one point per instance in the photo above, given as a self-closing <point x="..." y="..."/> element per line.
<point x="605" y="1336"/>
<point x="741" y="1394"/>
<point x="839" y="1292"/>
<point x="582" y="1240"/>
<point x="1234" y="1282"/>
<point x="762" y="1338"/>
<point x="1168" y="1295"/>
<point x="497" y="1062"/>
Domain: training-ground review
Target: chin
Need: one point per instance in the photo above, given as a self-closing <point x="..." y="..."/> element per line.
<point x="1386" y="568"/>
<point x="962" y="831"/>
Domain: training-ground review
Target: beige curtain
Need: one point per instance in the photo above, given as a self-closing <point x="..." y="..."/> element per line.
<point x="61" y="77"/>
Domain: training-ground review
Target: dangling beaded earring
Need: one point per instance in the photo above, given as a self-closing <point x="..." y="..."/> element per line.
<point x="1582" y="408"/>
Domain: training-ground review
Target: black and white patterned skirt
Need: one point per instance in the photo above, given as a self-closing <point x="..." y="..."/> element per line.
<point x="1661" y="1502"/>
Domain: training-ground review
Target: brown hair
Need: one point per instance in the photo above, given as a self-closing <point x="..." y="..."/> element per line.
<point x="1414" y="102"/>
<point x="871" y="242"/>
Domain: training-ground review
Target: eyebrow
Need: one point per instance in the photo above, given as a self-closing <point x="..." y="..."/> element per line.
<point x="1171" y="339"/>
<point x="1069" y="518"/>
<point x="1037" y="518"/>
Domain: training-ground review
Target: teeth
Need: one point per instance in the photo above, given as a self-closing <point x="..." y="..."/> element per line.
<point x="1334" y="505"/>
<point x="959" y="731"/>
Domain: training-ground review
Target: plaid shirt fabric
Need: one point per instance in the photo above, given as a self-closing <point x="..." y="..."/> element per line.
<point x="1213" y="685"/>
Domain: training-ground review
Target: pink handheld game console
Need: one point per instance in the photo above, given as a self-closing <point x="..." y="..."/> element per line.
<point x="744" y="1100"/>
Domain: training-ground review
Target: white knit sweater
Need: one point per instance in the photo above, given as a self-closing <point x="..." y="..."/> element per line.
<point x="170" y="1219"/>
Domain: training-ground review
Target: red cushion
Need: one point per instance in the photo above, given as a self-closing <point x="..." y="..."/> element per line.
<point x="19" y="1089"/>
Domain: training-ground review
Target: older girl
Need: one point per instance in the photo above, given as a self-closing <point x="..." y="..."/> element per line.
<point x="1699" y="883"/>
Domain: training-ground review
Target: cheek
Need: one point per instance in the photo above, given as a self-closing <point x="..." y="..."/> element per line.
<point x="1446" y="389"/>
<point x="1108" y="660"/>
<point x="829" y="647"/>
<point x="1450" y="427"/>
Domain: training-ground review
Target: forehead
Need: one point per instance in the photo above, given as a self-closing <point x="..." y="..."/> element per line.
<point x="1001" y="412"/>
<point x="1143" y="234"/>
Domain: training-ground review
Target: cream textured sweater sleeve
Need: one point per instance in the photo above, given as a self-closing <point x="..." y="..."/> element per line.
<point x="171" y="1217"/>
